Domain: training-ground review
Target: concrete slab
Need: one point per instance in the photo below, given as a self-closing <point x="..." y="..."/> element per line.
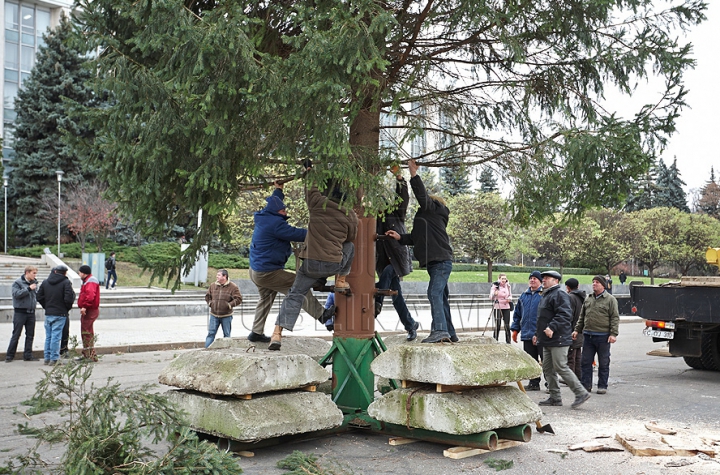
<point x="263" y="417"/>
<point x="236" y="372"/>
<point x="465" y="338"/>
<point x="468" y="412"/>
<point x="315" y="348"/>
<point x="469" y="364"/>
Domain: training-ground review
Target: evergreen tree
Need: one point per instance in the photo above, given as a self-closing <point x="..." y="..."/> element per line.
<point x="488" y="182"/>
<point x="644" y="191"/>
<point x="454" y="180"/>
<point x="709" y="202"/>
<point x="42" y="120"/>
<point x="670" y="193"/>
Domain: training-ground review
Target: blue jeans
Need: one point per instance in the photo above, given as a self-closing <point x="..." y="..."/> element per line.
<point x="213" y="326"/>
<point x="54" y="325"/>
<point x="390" y="280"/>
<point x="310" y="271"/>
<point x="438" y="294"/>
<point x="592" y="345"/>
<point x="114" y="276"/>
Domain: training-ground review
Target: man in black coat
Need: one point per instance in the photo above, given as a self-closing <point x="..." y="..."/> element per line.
<point x="577" y="297"/>
<point x="56" y="296"/>
<point x="554" y="333"/>
<point x="393" y="259"/>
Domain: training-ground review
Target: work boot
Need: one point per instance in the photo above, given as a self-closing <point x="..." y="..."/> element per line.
<point x="551" y="402"/>
<point x="275" y="339"/>
<point x="412" y="333"/>
<point x="258" y="337"/>
<point x="437" y="336"/>
<point x="579" y="400"/>
<point x="327" y="314"/>
<point x="532" y="387"/>
<point x="340" y="283"/>
<point x="378" y="308"/>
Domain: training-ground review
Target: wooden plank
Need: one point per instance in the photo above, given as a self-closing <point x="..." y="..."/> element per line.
<point x="246" y="453"/>
<point x="700" y="281"/>
<point x="401" y="441"/>
<point x="659" y="429"/>
<point x="641" y="446"/>
<point x="245" y="397"/>
<point x="597" y="446"/>
<point x="311" y="388"/>
<point x="464" y="452"/>
<point x="410" y="384"/>
<point x="688" y="447"/>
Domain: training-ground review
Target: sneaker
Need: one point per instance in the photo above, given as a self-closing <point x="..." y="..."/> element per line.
<point x="32" y="358"/>
<point x="412" y="333"/>
<point x="437" y="337"/>
<point x="532" y="387"/>
<point x="579" y="400"/>
<point x="258" y="337"/>
<point x="8" y="360"/>
<point x="327" y="314"/>
<point x="602" y="391"/>
<point x="551" y="402"/>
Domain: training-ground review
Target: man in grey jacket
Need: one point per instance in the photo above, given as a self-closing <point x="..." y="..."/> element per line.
<point x="24" y="302"/>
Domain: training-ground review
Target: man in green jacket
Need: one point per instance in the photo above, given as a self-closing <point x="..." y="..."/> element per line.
<point x="598" y="323"/>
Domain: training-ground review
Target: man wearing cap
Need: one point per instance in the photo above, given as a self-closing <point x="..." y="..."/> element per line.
<point x="56" y="296"/>
<point x="598" y="324"/>
<point x="577" y="297"/>
<point x="89" y="305"/>
<point x="554" y="333"/>
<point x="269" y="251"/>
<point x="525" y="322"/>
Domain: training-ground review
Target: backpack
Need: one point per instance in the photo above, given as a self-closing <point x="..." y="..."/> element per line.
<point x="108" y="263"/>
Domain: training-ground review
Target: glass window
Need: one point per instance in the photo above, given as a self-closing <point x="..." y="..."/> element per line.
<point x="10" y="115"/>
<point x="12" y="59"/>
<point x="28" y="58"/>
<point x="42" y="21"/>
<point x="9" y="91"/>
<point x="11" y="75"/>
<point x="28" y="19"/>
<point x="8" y="136"/>
<point x="24" y="77"/>
<point x="28" y="39"/>
<point x="11" y="35"/>
<point x="11" y="16"/>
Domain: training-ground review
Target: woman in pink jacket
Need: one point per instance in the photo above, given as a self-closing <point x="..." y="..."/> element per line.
<point x="501" y="295"/>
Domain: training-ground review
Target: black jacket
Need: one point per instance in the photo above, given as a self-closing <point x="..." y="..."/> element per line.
<point x="390" y="251"/>
<point x="429" y="236"/>
<point x="554" y="312"/>
<point x="577" y="297"/>
<point x="56" y="295"/>
<point x="23" y="298"/>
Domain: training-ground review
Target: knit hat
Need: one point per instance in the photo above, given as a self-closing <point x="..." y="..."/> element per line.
<point x="552" y="273"/>
<point x="60" y="269"/>
<point x="602" y="280"/>
<point x="572" y="283"/>
<point x="274" y="204"/>
<point x="85" y="269"/>
<point x="536" y="274"/>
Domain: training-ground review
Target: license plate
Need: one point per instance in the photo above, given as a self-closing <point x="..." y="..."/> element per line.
<point x="658" y="333"/>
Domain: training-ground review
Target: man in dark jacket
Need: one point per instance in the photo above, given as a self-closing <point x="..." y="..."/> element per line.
<point x="432" y="249"/>
<point x="56" y="296"/>
<point x="577" y="297"/>
<point x="392" y="260"/>
<point x="24" y="302"/>
<point x="554" y="332"/>
<point x="269" y="251"/>
<point x="525" y="321"/>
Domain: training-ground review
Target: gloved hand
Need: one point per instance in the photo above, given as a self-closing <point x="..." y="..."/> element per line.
<point x="514" y="335"/>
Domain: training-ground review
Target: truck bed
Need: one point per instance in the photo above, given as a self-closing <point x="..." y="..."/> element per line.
<point x="675" y="303"/>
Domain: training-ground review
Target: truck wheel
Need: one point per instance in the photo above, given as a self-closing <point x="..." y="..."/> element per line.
<point x="710" y="355"/>
<point x="693" y="362"/>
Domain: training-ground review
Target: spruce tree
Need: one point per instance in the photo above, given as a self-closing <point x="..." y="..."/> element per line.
<point x="670" y="191"/>
<point x="709" y="202"/>
<point x="454" y="180"/>
<point x="488" y="182"/>
<point x="643" y="195"/>
<point x="42" y="120"/>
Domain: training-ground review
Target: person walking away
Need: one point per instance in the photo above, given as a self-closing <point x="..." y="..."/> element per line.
<point x="599" y="326"/>
<point x="269" y="251"/>
<point x="24" y="298"/>
<point x="222" y="297"/>
<point x="327" y="250"/>
<point x="56" y="296"/>
<point x="577" y="297"/>
<point x="525" y="322"/>
<point x="554" y="332"/>
<point x="89" y="305"/>
<point x="433" y="251"/>
<point x="392" y="260"/>
<point x="110" y="264"/>
<point x="501" y="295"/>
<point x="622" y="277"/>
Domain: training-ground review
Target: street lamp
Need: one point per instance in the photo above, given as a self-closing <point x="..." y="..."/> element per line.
<point x="60" y="174"/>
<point x="5" y="184"/>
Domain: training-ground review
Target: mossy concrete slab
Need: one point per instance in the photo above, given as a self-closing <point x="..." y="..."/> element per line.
<point x="471" y="364"/>
<point x="465" y="339"/>
<point x="468" y="412"/>
<point x="237" y="372"/>
<point x="315" y="348"/>
<point x="265" y="416"/>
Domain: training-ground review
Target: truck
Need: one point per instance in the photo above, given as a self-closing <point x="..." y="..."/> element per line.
<point x="685" y="314"/>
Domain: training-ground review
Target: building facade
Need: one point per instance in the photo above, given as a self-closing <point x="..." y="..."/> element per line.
<point x="25" y="23"/>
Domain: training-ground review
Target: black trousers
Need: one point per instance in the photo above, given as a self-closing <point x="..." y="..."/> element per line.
<point x="502" y="315"/>
<point x="22" y="320"/>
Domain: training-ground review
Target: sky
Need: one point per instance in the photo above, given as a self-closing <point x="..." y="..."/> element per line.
<point x="696" y="144"/>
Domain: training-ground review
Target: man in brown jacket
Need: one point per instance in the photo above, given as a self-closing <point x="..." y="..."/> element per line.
<point x="221" y="297"/>
<point x="327" y="250"/>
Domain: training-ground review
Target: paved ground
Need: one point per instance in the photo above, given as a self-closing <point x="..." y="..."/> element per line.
<point x="642" y="388"/>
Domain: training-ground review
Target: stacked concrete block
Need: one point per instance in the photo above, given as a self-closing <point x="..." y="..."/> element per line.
<point x="475" y="373"/>
<point x="251" y="394"/>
